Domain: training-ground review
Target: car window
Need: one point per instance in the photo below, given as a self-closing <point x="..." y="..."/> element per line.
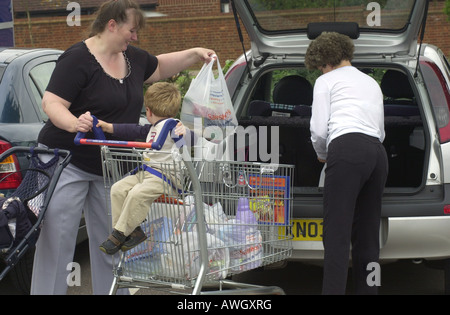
<point x="288" y="15"/>
<point x="285" y="88"/>
<point x="2" y="69"/>
<point x="39" y="77"/>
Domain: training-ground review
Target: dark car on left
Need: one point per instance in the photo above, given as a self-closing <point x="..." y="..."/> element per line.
<point x="24" y="75"/>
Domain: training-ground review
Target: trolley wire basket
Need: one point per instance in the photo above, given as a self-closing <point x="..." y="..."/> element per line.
<point x="212" y="220"/>
<point x="223" y="218"/>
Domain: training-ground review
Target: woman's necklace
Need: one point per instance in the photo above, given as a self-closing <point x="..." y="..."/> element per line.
<point x="128" y="70"/>
<point x="107" y="74"/>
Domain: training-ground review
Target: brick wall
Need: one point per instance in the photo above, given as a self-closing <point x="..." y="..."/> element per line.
<point x="188" y="23"/>
<point x="438" y="27"/>
<point x="192" y="23"/>
<point x="189" y="8"/>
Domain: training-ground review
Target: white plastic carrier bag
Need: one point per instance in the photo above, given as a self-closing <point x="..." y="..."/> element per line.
<point x="207" y="106"/>
<point x="182" y="258"/>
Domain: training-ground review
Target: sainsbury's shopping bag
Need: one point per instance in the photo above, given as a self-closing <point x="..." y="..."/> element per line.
<point x="207" y="106"/>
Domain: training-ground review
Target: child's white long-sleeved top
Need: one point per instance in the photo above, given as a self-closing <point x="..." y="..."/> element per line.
<point x="346" y="100"/>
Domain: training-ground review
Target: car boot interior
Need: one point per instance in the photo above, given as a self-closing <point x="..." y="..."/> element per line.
<point x="283" y="98"/>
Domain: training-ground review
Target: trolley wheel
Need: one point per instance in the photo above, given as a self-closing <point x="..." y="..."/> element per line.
<point x="20" y="275"/>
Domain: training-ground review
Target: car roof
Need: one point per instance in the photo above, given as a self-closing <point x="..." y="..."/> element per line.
<point x="7" y="55"/>
<point x="387" y="27"/>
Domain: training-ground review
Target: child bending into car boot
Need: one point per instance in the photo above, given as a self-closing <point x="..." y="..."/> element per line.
<point x="132" y="196"/>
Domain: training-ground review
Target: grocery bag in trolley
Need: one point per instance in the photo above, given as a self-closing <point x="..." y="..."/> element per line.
<point x="207" y="106"/>
<point x="182" y="259"/>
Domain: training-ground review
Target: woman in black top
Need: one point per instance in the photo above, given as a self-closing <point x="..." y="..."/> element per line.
<point x="102" y="76"/>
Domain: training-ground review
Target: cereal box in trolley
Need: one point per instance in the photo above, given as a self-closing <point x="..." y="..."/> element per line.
<point x="269" y="198"/>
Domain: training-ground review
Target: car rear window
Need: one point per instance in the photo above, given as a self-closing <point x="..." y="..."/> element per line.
<point x="288" y="15"/>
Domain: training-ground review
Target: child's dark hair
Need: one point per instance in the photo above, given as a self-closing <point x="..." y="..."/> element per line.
<point x="330" y="48"/>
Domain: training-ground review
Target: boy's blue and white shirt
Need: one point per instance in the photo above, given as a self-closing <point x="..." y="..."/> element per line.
<point x="151" y="133"/>
<point x="164" y="154"/>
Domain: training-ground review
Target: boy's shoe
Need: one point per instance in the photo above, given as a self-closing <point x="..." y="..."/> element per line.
<point x="136" y="237"/>
<point x="113" y="243"/>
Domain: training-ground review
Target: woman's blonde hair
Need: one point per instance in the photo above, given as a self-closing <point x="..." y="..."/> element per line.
<point x="116" y="10"/>
<point x="163" y="99"/>
<point x="330" y="48"/>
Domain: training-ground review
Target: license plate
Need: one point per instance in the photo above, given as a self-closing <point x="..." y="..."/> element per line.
<point x="307" y="230"/>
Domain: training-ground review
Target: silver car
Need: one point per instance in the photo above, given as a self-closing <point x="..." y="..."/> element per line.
<point x="271" y="87"/>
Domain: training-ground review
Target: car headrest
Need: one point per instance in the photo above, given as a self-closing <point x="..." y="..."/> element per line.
<point x="395" y="84"/>
<point x="266" y="109"/>
<point x="259" y="108"/>
<point x="293" y="90"/>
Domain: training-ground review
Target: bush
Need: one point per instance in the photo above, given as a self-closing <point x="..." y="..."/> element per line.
<point x="447" y="9"/>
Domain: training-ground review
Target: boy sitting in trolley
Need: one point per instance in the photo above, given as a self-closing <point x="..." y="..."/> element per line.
<point x="132" y="196"/>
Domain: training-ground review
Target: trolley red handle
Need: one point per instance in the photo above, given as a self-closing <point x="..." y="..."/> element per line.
<point x="101" y="139"/>
<point x="114" y="143"/>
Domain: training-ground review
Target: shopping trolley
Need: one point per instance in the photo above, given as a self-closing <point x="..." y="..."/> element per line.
<point x="31" y="199"/>
<point x="213" y="219"/>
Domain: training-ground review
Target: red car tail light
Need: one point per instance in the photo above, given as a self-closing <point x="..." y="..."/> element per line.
<point x="10" y="178"/>
<point x="440" y="97"/>
<point x="447" y="209"/>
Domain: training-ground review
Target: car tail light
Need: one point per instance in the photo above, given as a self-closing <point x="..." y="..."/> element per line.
<point x="440" y="97"/>
<point x="10" y="178"/>
<point x="447" y="209"/>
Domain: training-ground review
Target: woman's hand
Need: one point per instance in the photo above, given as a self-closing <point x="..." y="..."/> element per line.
<point x="173" y="63"/>
<point x="84" y="122"/>
<point x="206" y="55"/>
